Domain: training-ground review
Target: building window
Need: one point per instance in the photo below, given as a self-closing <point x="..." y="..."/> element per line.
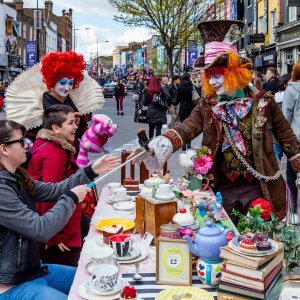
<point x="24" y="31"/>
<point x="260" y="25"/>
<point x="31" y="34"/>
<point x="272" y="25"/>
<point x="250" y="2"/>
<point x="289" y="53"/>
<point x="292" y="14"/>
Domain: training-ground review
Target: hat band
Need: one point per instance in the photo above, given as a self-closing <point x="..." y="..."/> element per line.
<point x="213" y="49"/>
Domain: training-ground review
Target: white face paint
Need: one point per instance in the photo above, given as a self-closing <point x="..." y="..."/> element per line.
<point x="217" y="82"/>
<point x="64" y="86"/>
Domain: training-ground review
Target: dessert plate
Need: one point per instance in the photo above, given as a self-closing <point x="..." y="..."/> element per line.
<point x="112" y="199"/>
<point x="127" y="224"/>
<point x="143" y="256"/>
<point x="234" y="245"/>
<point x="86" y="292"/>
<point x="132" y="254"/>
<point x="124" y="205"/>
<point x="194" y="293"/>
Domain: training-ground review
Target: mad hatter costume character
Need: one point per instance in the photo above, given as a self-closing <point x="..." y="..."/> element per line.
<point x="59" y="79"/>
<point x="237" y="123"/>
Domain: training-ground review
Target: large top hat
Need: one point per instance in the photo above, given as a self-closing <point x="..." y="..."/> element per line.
<point x="220" y="37"/>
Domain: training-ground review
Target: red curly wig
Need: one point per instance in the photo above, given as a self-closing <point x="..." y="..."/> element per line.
<point x="236" y="75"/>
<point x="57" y="65"/>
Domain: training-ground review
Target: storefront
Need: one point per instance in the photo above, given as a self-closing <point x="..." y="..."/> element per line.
<point x="288" y="46"/>
<point x="266" y="59"/>
<point x="3" y="67"/>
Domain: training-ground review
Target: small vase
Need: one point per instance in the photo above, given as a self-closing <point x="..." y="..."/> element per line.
<point x="195" y="183"/>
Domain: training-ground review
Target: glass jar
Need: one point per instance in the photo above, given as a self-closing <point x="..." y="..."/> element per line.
<point x="170" y="231"/>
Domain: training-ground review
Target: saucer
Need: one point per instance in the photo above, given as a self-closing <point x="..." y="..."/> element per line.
<point x="169" y="196"/>
<point x="112" y="199"/>
<point x="85" y="291"/>
<point x="125" y="205"/>
<point x="133" y="253"/>
<point x="117" y="288"/>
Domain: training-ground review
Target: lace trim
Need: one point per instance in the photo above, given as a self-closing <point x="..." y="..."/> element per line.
<point x="251" y="170"/>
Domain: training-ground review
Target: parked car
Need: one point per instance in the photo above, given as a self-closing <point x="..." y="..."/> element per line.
<point x="109" y="89"/>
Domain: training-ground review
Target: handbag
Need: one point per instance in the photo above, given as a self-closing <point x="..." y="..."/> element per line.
<point x="195" y="96"/>
<point x="158" y="102"/>
<point x="135" y="97"/>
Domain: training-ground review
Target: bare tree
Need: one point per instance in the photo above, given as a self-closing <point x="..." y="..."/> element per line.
<point x="174" y="20"/>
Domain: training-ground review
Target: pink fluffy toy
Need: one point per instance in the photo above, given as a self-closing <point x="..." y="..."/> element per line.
<point x="96" y="138"/>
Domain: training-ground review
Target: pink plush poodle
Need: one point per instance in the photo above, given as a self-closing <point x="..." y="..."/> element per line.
<point x="96" y="138"/>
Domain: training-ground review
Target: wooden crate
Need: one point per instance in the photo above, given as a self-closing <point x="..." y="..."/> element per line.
<point x="151" y="214"/>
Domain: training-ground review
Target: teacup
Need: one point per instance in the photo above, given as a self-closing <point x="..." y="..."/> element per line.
<point x="105" y="277"/>
<point x="121" y="244"/>
<point x="112" y="186"/>
<point x="164" y="191"/>
<point x="102" y="255"/>
<point x="120" y="193"/>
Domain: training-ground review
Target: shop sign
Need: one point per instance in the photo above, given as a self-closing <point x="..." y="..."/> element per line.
<point x="269" y="58"/>
<point x="295" y="34"/>
<point x="31" y="53"/>
<point x="257" y="38"/>
<point x="294" y="3"/>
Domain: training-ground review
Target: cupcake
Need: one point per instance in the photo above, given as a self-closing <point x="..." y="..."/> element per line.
<point x="260" y="237"/>
<point x="128" y="292"/>
<point x="264" y="246"/>
<point x="247" y="243"/>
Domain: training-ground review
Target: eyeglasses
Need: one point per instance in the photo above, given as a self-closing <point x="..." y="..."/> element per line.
<point x="22" y="141"/>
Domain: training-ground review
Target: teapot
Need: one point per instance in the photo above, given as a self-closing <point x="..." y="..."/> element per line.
<point x="208" y="241"/>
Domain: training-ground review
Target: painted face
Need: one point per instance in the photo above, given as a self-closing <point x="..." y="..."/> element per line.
<point x="68" y="128"/>
<point x="217" y="82"/>
<point x="64" y="86"/>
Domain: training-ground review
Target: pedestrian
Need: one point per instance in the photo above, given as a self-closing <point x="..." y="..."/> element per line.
<point x="174" y="107"/>
<point x="271" y="81"/>
<point x="257" y="83"/>
<point x="119" y="94"/>
<point x="291" y="110"/>
<point x="237" y="123"/>
<point x="22" y="229"/>
<point x="156" y="113"/>
<point x="138" y="90"/>
<point x="53" y="161"/>
<point x="185" y="100"/>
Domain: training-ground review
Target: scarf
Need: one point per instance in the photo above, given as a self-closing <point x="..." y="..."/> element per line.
<point x="230" y="112"/>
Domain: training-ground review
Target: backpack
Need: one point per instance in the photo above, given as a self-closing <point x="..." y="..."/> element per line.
<point x="29" y="155"/>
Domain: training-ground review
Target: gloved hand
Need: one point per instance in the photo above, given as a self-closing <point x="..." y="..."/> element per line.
<point x="142" y="157"/>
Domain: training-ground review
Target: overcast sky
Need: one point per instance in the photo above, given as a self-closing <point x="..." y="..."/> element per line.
<point x="98" y="16"/>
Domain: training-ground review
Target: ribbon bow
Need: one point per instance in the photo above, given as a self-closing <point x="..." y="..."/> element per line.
<point x="230" y="112"/>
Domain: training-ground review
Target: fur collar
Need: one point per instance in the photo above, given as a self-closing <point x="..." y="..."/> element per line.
<point x="49" y="135"/>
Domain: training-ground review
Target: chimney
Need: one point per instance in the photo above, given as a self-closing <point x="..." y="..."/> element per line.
<point x="19" y="4"/>
<point x="49" y="5"/>
<point x="63" y="12"/>
<point x="70" y="13"/>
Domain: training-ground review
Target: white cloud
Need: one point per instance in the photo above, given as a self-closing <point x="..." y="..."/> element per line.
<point x="87" y="40"/>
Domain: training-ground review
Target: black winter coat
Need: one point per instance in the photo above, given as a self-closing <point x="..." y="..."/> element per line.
<point x="184" y="97"/>
<point x="156" y="115"/>
<point x="271" y="85"/>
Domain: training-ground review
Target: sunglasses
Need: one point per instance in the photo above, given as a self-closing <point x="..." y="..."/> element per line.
<point x="22" y="141"/>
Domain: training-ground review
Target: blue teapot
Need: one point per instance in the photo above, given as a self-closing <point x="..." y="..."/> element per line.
<point x="208" y="241"/>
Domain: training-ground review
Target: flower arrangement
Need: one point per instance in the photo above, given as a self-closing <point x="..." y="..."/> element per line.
<point x="263" y="206"/>
<point x="196" y="161"/>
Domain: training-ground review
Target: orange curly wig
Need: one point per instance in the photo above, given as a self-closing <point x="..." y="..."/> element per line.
<point x="236" y="75"/>
<point x="57" y="65"/>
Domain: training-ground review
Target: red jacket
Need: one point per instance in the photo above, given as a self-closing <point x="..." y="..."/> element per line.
<point x="55" y="162"/>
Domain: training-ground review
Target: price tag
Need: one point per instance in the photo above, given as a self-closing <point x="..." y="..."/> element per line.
<point x="147" y="239"/>
<point x="174" y="261"/>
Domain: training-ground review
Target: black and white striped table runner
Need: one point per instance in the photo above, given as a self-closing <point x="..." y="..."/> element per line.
<point x="147" y="289"/>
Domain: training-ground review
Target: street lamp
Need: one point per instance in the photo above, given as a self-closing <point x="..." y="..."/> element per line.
<point x="74" y="37"/>
<point x="97" y="54"/>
